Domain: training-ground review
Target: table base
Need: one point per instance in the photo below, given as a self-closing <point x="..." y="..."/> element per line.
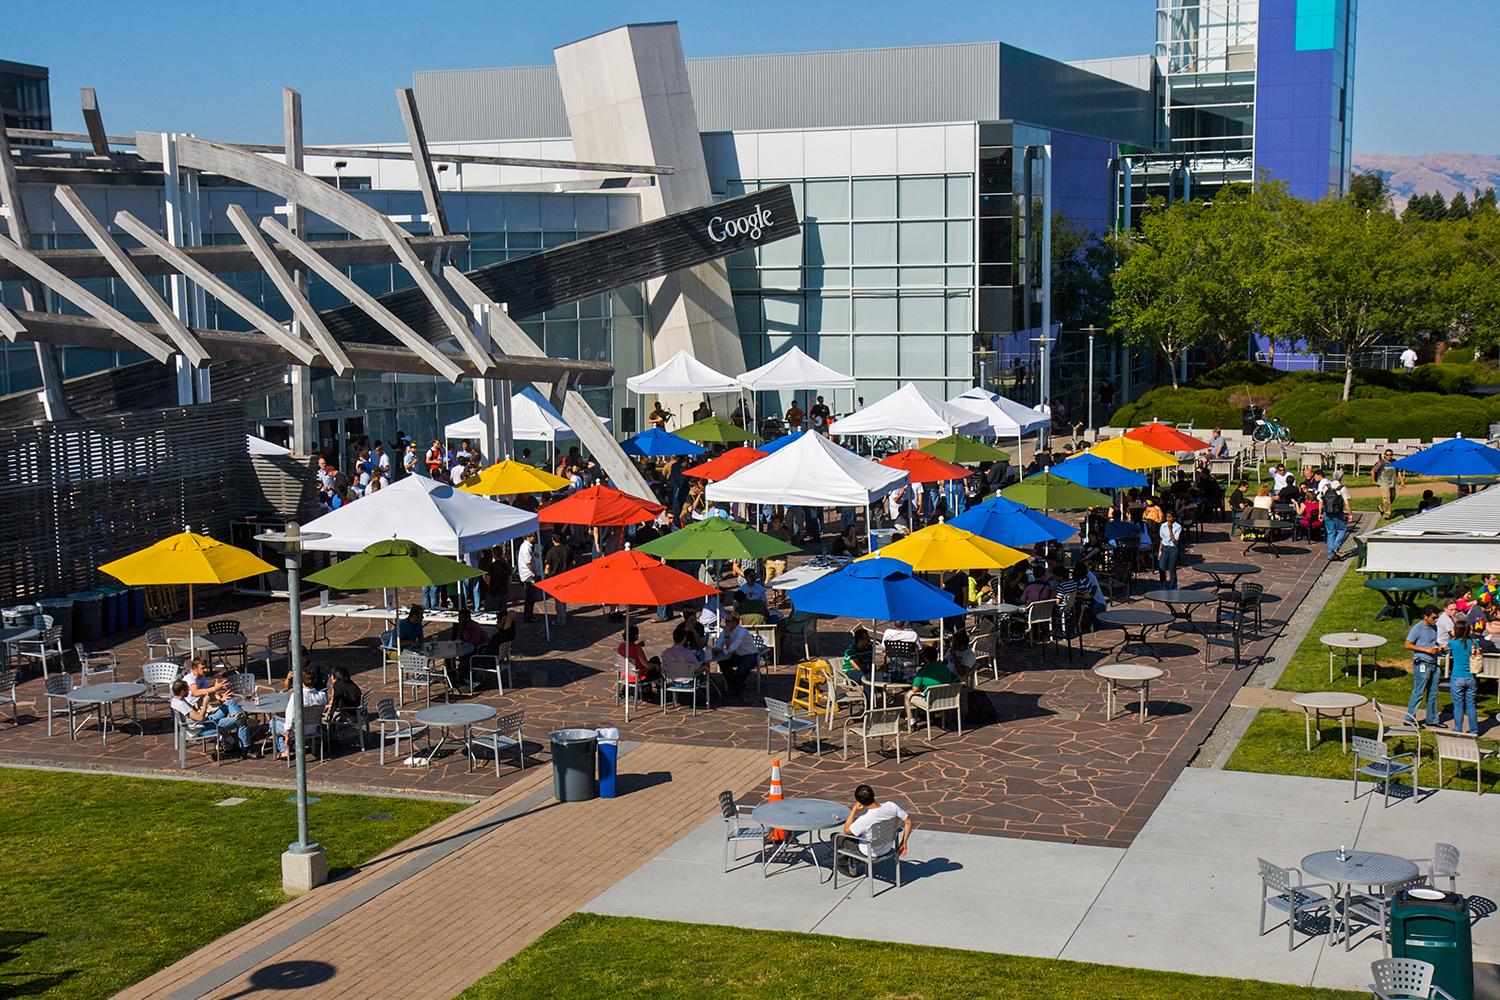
<point x="106" y="716"/>
<point x="791" y="843"/>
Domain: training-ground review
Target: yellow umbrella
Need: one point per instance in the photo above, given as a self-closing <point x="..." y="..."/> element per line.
<point x="186" y="558"/>
<point x="1133" y="455"/>
<point x="940" y="547"/>
<point x="509" y="478"/>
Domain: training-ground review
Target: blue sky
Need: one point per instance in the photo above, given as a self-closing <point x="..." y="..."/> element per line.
<point x="1426" y="82"/>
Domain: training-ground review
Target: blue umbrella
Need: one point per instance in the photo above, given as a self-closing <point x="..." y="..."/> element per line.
<point x="779" y="443"/>
<point x="1459" y="457"/>
<point x="1097" y="473"/>
<point x="882" y="589"/>
<point x="1010" y="523"/>
<point x="657" y="443"/>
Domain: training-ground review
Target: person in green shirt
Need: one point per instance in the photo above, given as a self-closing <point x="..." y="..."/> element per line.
<point x="860" y="654"/>
<point x="932" y="673"/>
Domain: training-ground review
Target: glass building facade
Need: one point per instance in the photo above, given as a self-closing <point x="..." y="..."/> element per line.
<point x="25" y="98"/>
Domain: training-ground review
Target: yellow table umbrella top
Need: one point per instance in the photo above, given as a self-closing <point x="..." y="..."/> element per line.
<point x="510" y="477"/>
<point x="1132" y="454"/>
<point x="186" y="558"/>
<point x="941" y="547"/>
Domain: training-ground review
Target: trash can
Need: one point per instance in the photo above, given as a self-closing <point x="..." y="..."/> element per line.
<point x="1433" y="926"/>
<point x="88" y="615"/>
<point x="61" y="610"/>
<point x="19" y="615"/>
<point x="609" y="755"/>
<point x="137" y="607"/>
<point x="573" y="752"/>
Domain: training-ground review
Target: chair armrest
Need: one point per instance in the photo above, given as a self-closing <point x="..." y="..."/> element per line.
<point x="1398" y="756"/>
<point x="1438" y="993"/>
<point x="1332" y="890"/>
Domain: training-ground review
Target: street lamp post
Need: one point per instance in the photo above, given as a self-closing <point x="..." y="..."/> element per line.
<point x="1091" y="330"/>
<point x="304" y="865"/>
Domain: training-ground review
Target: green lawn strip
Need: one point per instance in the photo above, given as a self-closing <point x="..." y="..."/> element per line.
<point x="589" y="956"/>
<point x="112" y="878"/>
<point x="1274" y="742"/>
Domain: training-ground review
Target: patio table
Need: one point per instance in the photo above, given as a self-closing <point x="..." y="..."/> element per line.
<point x="445" y="717"/>
<point x="1134" y="623"/>
<point x="8" y="635"/>
<point x="267" y="704"/>
<point x="1219" y="571"/>
<point x="1367" y="868"/>
<point x="1126" y="677"/>
<point x="1181" y="604"/>
<point x="813" y="569"/>
<point x="800" y="816"/>
<point x="103" y="698"/>
<point x="1317" y="705"/>
<point x="447" y="651"/>
<point x="1400" y="594"/>
<point x="1356" y="643"/>
<point x="1265" y="535"/>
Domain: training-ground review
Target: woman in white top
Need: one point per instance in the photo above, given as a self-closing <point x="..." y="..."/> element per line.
<point x="1171" y="539"/>
<point x="1263" y="499"/>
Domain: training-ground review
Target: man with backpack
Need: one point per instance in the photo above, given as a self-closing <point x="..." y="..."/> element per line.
<point x="1335" y="515"/>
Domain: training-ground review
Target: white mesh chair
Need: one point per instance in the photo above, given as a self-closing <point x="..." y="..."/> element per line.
<point x="1391" y="721"/>
<point x="55" y="691"/>
<point x="8" y="681"/>
<point x="1442" y="864"/>
<point x="784" y="720"/>
<point x="739" y="825"/>
<point x="1405" y="979"/>
<point x="495" y="664"/>
<point x="876" y="724"/>
<point x="1463" y="748"/>
<point x="1039" y="617"/>
<point x="95" y="664"/>
<point x="185" y="731"/>
<point x="499" y="737"/>
<point x="883" y="838"/>
<point x="937" y="700"/>
<point x="394" y="727"/>
<point x="242" y="684"/>
<point x="158" y="676"/>
<point x="1283" y="889"/>
<point x="1373" y="760"/>
<point x="628" y="682"/>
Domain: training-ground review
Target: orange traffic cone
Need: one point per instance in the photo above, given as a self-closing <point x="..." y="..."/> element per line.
<point x="777" y="835"/>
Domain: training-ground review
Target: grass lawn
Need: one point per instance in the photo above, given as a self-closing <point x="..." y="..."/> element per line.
<point x="111" y="878"/>
<point x="590" y="956"/>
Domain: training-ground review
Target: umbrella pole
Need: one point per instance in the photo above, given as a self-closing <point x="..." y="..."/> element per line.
<point x="192" y="620"/>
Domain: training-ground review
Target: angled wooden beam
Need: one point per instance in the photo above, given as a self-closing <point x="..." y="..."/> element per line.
<point x="86" y="300"/>
<point x="287" y="286"/>
<point x="213" y="285"/>
<point x="435" y="359"/>
<point x="94" y="121"/>
<point x="453" y="318"/>
<point x="10" y="325"/>
<point x="416" y="140"/>
<point x="125" y="269"/>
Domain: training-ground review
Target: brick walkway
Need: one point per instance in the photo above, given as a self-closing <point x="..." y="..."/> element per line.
<point x="443" y="909"/>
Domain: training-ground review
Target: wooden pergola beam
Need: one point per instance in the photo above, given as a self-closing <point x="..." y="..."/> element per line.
<point x="437" y="360"/>
<point x="93" y="120"/>
<point x="126" y="271"/>
<point x="453" y="318"/>
<point x="287" y="286"/>
<point x="416" y="140"/>
<point x="215" y="286"/>
<point x="10" y="325"/>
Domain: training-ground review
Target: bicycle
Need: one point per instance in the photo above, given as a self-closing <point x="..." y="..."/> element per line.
<point x="1269" y="429"/>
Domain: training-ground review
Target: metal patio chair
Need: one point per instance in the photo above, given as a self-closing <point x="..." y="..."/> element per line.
<point x="876" y="724"/>
<point x="784" y="720"/>
<point x="95" y="664"/>
<point x="1405" y="979"/>
<point x="883" y="833"/>
<point x="739" y="825"/>
<point x="497" y="738"/>
<point x="394" y="727"/>
<point x="1442" y="864"/>
<point x="1283" y="889"/>
<point x="1371" y="758"/>
<point x="939" y="699"/>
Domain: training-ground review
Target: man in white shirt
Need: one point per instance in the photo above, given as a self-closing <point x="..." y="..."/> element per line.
<point x="460" y="471"/>
<point x="903" y="634"/>
<point x="1445" y="623"/>
<point x="864" y="815"/>
<point x="527" y="565"/>
<point x="409" y="460"/>
<point x="1279" y="479"/>
<point x="313" y="700"/>
<point x="736" y="653"/>
<point x="1409" y="360"/>
<point x="228" y="719"/>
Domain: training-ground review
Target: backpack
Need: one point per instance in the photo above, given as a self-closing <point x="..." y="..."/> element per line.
<point x="979" y="710"/>
<point x="1333" y="504"/>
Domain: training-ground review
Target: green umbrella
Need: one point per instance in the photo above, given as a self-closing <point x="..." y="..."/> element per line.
<point x="714" y="430"/>
<point x="1044" y="491"/>
<point x="717" y="538"/>
<point x="961" y="449"/>
<point x="393" y="563"/>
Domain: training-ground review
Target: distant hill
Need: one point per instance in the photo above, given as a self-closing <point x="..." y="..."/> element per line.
<point x="1445" y="173"/>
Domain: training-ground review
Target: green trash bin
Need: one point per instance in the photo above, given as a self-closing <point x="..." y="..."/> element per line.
<point x="1433" y="926"/>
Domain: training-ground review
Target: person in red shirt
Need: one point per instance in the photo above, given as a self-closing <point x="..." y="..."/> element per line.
<point x="639" y="670"/>
<point x="436" y="460"/>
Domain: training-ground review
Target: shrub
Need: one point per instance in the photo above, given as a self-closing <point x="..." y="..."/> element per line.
<point x="1234" y="373"/>
<point x="1459" y="356"/>
<point x="1200" y="407"/>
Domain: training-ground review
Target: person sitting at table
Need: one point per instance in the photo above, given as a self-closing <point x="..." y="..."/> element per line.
<point x="1039" y="589"/>
<point x="408" y="631"/>
<point x="864" y="814"/>
<point x="1090" y="592"/>
<point x="505" y="631"/>
<point x="201" y="685"/>
<point x="310" y="668"/>
<point x="931" y="672"/>
<point x="638" y="668"/>
<point x="680" y="653"/>
<point x="981" y="588"/>
<point x="859" y="654"/>
<point x="696" y="638"/>
<point x="344" y="699"/>
<point x="960" y="655"/>
<point x="846" y="544"/>
<point x="1310" y="513"/>
<point x="1289" y="495"/>
<point x="1428" y="501"/>
<point x="900" y="632"/>
<point x="226" y="719"/>
<point x="313" y="700"/>
<point x="735" y="652"/>
<point x="1263" y="499"/>
<point x="467" y="630"/>
<point x="1239" y="499"/>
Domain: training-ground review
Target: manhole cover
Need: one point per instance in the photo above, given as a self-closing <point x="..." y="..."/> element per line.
<point x="233" y="800"/>
<point x="378" y="817"/>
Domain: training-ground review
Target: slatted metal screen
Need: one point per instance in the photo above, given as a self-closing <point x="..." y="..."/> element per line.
<point x="78" y="493"/>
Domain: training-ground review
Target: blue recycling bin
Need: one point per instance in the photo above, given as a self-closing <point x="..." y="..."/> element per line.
<point x="137" y="607"/>
<point x="609" y="757"/>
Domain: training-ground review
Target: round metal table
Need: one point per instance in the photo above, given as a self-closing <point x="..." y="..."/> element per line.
<point x="1230" y="570"/>
<point x="445" y="717"/>
<point x="1400" y="594"/>
<point x="1127" y="677"/>
<point x="1265" y="534"/>
<point x="1367" y="868"/>
<point x="267" y="704"/>
<point x="1135" y="623"/>
<point x="17" y="634"/>
<point x="800" y="816"/>
<point x="103" y="698"/>
<point x="1181" y="604"/>
<point x="1356" y="643"/>
<point x="447" y="651"/>
<point x="1317" y="705"/>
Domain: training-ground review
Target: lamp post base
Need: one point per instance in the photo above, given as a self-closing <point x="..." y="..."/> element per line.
<point x="305" y="870"/>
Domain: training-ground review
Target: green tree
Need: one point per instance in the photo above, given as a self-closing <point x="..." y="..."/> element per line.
<point x="1368" y="190"/>
<point x="1158" y="289"/>
<point x="1458" y="208"/>
<point x="1343" y="278"/>
<point x="1471" y="269"/>
<point x="1081" y="263"/>
<point x="1426" y="207"/>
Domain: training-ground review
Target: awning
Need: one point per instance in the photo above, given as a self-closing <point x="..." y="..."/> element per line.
<point x="438" y="517"/>
<point x="910" y="412"/>
<point x="1460" y="537"/>
<point x="812" y="471"/>
<point x="794" y="370"/>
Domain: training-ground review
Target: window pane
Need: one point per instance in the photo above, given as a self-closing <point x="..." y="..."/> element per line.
<point x="875" y="243"/>
<point x="960" y="242"/>
<point x="960" y="357"/>
<point x="827" y="244"/>
<point x="875" y="314"/>
<point x="922" y="313"/>
<point x="875" y="277"/>
<point x="747" y="313"/>
<point x="789" y="278"/>
<point x="915" y="277"/>
<point x="874" y="198"/>
<point x="562" y="340"/>
<point x="833" y="351"/>
<point x="783" y="312"/>
<point x="921" y="197"/>
<point x="875" y="356"/>
<point x="827" y="313"/>
<point x="960" y="197"/>
<point x="922" y="242"/>
<point x="593" y="340"/>
<point x="923" y="356"/>
<point x="785" y="252"/>
<point x="827" y="200"/>
<point x="959" y="314"/>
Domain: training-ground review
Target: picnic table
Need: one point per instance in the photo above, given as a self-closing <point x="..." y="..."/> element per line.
<point x="1126" y="677"/>
<point x="1134" y="623"/>
<point x="1400" y="594"/>
<point x="1356" y="643"/>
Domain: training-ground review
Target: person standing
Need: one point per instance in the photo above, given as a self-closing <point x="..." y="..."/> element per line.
<point x="819" y="414"/>
<point x="1385" y="475"/>
<point x="437" y="464"/>
<point x="1409" y="360"/>
<point x="1171" y="541"/>
<point x="1461" y="683"/>
<point x="527" y="562"/>
<point x="1335" y="516"/>
<point x="794" y="417"/>
<point x="556" y="561"/>
<point x="1421" y="639"/>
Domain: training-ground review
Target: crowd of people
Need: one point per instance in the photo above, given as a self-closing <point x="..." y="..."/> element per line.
<point x="1465" y="626"/>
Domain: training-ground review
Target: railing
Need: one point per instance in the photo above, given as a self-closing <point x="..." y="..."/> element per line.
<point x="1385" y="357"/>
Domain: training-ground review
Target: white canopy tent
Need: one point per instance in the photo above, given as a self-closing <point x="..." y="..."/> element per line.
<point x="1005" y="417"/>
<point x="910" y="412"/>
<point x="812" y="471"/>
<point x="794" y="370"/>
<point x="681" y="373"/>
<point x="532" y="418"/>
<point x="439" y="517"/>
<point x="1460" y="537"/>
<point x="260" y="446"/>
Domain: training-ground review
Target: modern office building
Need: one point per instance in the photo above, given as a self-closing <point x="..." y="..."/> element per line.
<point x="24" y="98"/>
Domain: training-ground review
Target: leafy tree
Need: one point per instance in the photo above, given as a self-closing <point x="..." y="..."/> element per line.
<point x="1368" y="190"/>
<point x="1159" y="301"/>
<point x="1471" y="269"/>
<point x="1081" y="263"/>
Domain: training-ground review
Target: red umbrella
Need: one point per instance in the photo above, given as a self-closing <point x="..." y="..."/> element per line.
<point x="599" y="506"/>
<point x="1164" y="438"/>
<point x="625" y="577"/>
<point x="725" y="465"/>
<point x="924" y="468"/>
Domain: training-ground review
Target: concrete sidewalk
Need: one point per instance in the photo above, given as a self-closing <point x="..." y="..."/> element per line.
<point x="1184" y="897"/>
